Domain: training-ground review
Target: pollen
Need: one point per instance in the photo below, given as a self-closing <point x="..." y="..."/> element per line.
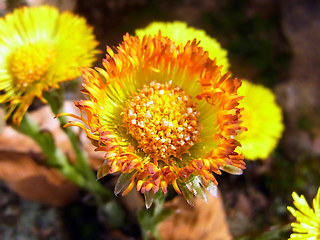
<point x="163" y="119"/>
<point x="30" y="63"/>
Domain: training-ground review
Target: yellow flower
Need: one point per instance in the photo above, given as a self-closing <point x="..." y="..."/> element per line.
<point x="179" y="32"/>
<point x="163" y="114"/>
<point x="263" y="118"/>
<point x="308" y="219"/>
<point x="39" y="48"/>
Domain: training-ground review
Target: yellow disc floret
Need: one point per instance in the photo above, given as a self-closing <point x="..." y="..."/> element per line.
<point x="30" y="63"/>
<point x="163" y="120"/>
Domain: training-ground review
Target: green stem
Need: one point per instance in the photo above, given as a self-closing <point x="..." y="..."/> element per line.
<point x="55" y="156"/>
<point x="150" y="219"/>
<point x="84" y="179"/>
<point x="82" y="165"/>
<point x="105" y="199"/>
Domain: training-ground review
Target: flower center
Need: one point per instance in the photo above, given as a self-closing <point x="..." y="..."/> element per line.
<point x="163" y="120"/>
<point x="30" y="63"/>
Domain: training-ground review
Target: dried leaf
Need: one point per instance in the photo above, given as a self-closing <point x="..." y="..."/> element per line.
<point x="34" y="181"/>
<point x="205" y="221"/>
<point x="20" y="157"/>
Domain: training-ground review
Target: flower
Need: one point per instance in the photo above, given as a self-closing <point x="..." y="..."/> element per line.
<point x="263" y="118"/>
<point x="308" y="219"/>
<point x="181" y="33"/>
<point x="163" y="114"/>
<point x="39" y="48"/>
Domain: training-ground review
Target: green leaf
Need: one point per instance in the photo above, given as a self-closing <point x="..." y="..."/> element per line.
<point x="123" y="182"/>
<point x="148" y="198"/>
<point x="232" y="170"/>
<point x="149" y="219"/>
<point x="194" y="186"/>
<point x="114" y="212"/>
<point x="212" y="189"/>
<point x="187" y="194"/>
<point x="103" y="170"/>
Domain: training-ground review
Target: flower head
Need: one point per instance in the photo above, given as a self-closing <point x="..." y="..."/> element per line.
<point x="180" y="32"/>
<point x="308" y="219"/>
<point x="263" y="118"/>
<point x="163" y="114"/>
<point x="39" y="48"/>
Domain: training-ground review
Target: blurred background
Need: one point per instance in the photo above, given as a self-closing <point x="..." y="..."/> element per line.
<point x="270" y="42"/>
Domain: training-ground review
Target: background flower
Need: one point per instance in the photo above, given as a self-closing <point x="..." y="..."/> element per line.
<point x="263" y="118"/>
<point x="308" y="219"/>
<point x="180" y="32"/>
<point x="164" y="115"/>
<point x="39" y="48"/>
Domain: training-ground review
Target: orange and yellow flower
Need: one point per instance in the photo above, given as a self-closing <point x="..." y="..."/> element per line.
<point x="164" y="115"/>
<point x="39" y="48"/>
<point x="308" y="219"/>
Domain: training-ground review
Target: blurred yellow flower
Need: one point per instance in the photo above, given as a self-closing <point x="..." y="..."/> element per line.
<point x="263" y="118"/>
<point x="39" y="48"/>
<point x="308" y="219"/>
<point x="180" y="33"/>
<point x="164" y="115"/>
